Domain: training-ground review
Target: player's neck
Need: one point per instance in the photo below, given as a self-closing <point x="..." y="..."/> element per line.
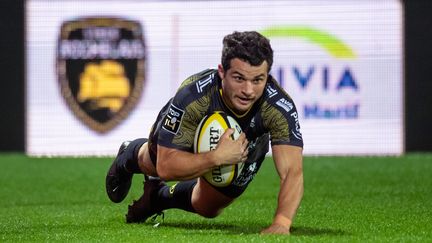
<point x="228" y="105"/>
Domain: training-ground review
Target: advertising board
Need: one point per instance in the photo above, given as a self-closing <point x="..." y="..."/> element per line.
<point x="97" y="72"/>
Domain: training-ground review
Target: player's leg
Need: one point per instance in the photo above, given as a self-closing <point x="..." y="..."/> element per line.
<point x="196" y="196"/>
<point x="145" y="162"/>
<point x="207" y="201"/>
<point x="158" y="196"/>
<point x="119" y="176"/>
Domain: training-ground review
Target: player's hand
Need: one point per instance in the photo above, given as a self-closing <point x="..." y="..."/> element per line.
<point x="232" y="151"/>
<point x="276" y="229"/>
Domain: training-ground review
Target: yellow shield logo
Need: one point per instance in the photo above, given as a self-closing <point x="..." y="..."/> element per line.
<point x="100" y="67"/>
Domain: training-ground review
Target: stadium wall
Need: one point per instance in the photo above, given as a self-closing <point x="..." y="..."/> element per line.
<point x="12" y="69"/>
<point x="418" y="68"/>
<point x="418" y="132"/>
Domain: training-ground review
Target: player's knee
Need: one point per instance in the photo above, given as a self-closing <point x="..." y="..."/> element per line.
<point x="206" y="210"/>
<point x="163" y="171"/>
<point x="145" y="163"/>
<point x="210" y="213"/>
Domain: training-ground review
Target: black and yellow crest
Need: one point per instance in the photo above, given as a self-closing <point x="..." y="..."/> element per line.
<point x="101" y="69"/>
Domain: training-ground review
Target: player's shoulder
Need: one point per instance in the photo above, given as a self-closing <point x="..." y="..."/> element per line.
<point x="274" y="92"/>
<point x="198" y="88"/>
<point x="276" y="98"/>
<point x="199" y="81"/>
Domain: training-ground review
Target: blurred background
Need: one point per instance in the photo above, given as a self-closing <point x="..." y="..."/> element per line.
<point x="357" y="70"/>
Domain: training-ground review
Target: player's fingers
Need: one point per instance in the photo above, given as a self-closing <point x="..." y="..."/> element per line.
<point x="244" y="153"/>
<point x="245" y="143"/>
<point x="228" y="133"/>
<point x="242" y="137"/>
<point x="244" y="157"/>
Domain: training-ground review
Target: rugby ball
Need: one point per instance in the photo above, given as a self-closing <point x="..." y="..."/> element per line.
<point x="207" y="136"/>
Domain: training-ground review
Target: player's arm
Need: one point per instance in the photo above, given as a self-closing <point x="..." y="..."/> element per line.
<point x="289" y="164"/>
<point x="175" y="164"/>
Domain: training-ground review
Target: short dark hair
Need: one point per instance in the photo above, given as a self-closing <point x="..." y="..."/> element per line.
<point x="249" y="46"/>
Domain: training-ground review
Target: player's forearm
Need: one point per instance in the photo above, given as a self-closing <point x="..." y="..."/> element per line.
<point x="290" y="196"/>
<point x="174" y="164"/>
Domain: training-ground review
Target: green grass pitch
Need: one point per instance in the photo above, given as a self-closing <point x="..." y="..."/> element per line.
<point x="348" y="199"/>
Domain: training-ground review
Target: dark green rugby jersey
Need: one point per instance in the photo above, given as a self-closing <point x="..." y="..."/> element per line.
<point x="199" y="95"/>
<point x="274" y="115"/>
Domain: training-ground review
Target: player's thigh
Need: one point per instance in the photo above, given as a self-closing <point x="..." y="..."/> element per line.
<point x="207" y="201"/>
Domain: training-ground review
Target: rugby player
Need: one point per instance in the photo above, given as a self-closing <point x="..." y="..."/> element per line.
<point x="242" y="87"/>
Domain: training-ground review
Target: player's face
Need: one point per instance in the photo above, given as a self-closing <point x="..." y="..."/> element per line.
<point x="242" y="84"/>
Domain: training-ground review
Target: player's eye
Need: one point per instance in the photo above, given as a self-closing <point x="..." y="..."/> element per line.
<point x="257" y="81"/>
<point x="238" y="78"/>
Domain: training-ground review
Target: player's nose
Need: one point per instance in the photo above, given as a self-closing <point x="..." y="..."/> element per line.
<point x="247" y="88"/>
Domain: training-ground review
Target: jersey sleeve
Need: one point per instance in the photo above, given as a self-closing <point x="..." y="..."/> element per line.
<point x="281" y="120"/>
<point x="178" y="126"/>
<point x="181" y="119"/>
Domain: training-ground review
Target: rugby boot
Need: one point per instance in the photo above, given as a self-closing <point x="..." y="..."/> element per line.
<point x="118" y="181"/>
<point x="146" y="206"/>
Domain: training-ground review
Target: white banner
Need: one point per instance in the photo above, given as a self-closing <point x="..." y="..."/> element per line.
<point x="341" y="61"/>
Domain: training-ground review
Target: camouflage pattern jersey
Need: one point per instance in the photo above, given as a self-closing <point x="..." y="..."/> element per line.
<point x="273" y="118"/>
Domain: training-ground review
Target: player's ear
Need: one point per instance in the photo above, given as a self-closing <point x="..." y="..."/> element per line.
<point x="221" y="72"/>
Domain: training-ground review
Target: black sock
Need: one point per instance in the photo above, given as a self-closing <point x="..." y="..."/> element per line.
<point x="131" y="155"/>
<point x="177" y="196"/>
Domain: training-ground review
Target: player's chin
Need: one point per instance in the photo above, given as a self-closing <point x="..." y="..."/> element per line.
<point x="240" y="109"/>
<point x="243" y="105"/>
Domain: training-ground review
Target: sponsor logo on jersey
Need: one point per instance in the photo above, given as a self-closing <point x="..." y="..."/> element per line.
<point x="250" y="166"/>
<point x="270" y="91"/>
<point x="100" y="68"/>
<point x="201" y="84"/>
<point x="252" y="123"/>
<point x="172" y="120"/>
<point x="285" y="104"/>
<point x="247" y="174"/>
<point x="296" y="131"/>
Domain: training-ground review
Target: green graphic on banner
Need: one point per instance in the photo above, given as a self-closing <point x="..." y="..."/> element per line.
<point x="330" y="43"/>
